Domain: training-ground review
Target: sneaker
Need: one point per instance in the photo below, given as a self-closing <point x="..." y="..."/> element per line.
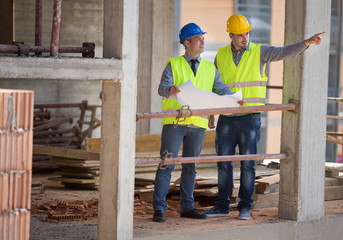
<point x="244" y="214"/>
<point x="193" y="214"/>
<point x="216" y="212"/>
<point x="158" y="216"/>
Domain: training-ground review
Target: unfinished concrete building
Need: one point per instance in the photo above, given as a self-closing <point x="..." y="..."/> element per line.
<point x="133" y="39"/>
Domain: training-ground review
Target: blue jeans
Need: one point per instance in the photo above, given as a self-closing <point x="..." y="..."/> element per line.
<point x="172" y="138"/>
<point x="243" y="131"/>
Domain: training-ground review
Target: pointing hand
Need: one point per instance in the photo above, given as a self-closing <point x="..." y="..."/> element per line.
<point x="315" y="39"/>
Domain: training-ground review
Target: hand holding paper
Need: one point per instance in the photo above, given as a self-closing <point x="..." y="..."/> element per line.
<point x="199" y="99"/>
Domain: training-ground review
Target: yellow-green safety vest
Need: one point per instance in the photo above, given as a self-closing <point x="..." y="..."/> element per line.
<point x="246" y="75"/>
<point x="204" y="80"/>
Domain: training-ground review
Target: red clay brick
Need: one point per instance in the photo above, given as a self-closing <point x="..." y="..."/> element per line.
<point x="4" y="184"/>
<point x="16" y="151"/>
<point x="15" y="189"/>
<point x="16" y="110"/>
<point x="14" y="225"/>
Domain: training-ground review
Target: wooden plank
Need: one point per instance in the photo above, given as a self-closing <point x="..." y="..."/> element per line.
<point x="61" y="159"/>
<point x="265" y="200"/>
<point x="333" y="181"/>
<point x="85" y="164"/>
<point x="269" y="179"/>
<point x="93" y="144"/>
<point x="76" y="174"/>
<point x="206" y="183"/>
<point x="267" y="184"/>
<point x="85" y="186"/>
<point x="331" y="166"/>
<point x="66" y="153"/>
<point x="149" y="145"/>
<point x="208" y="192"/>
<point x="76" y="180"/>
<point x="333" y="193"/>
<point x="146" y="196"/>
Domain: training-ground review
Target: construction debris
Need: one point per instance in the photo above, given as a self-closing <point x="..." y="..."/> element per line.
<point x="38" y="188"/>
<point x="61" y="131"/>
<point x="61" y="211"/>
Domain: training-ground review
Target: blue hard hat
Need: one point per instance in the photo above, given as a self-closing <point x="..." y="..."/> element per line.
<point x="189" y="30"/>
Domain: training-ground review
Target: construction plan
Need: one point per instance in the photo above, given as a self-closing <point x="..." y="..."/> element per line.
<point x="199" y="99"/>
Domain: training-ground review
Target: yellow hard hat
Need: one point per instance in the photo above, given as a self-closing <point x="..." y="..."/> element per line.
<point x="238" y="24"/>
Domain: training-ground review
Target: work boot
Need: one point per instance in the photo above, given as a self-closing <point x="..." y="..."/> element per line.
<point x="193" y="214"/>
<point x="158" y="216"/>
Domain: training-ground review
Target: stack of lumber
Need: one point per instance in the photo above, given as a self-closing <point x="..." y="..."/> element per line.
<point x="333" y="181"/>
<point x="50" y="129"/>
<point x="79" y="168"/>
<point x="266" y="192"/>
<point x="267" y="188"/>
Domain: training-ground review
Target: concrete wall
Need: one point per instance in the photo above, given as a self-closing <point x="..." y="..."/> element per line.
<point x="82" y="21"/>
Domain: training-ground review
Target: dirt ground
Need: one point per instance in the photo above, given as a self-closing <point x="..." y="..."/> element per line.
<point x="56" y="196"/>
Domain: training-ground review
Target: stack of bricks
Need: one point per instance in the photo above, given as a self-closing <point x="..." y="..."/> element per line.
<point x="16" y="123"/>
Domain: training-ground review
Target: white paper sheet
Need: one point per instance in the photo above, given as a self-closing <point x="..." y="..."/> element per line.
<point x="199" y="99"/>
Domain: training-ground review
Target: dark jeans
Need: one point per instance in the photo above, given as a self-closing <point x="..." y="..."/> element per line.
<point x="172" y="138"/>
<point x="243" y="131"/>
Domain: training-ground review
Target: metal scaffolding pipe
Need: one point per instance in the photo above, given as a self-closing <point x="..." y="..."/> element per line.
<point x="62" y="105"/>
<point x="46" y="114"/>
<point x="39" y="25"/>
<point x="200" y="159"/>
<point x="53" y="123"/>
<point x="56" y="140"/>
<point x="7" y="48"/>
<point x="54" y="132"/>
<point x="182" y="113"/>
<point x="87" y="49"/>
<point x="56" y="28"/>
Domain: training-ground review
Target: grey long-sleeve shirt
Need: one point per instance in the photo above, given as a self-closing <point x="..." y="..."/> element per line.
<point x="269" y="53"/>
<point x="167" y="80"/>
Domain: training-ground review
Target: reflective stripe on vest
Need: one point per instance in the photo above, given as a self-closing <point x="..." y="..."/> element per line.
<point x="204" y="80"/>
<point x="246" y="75"/>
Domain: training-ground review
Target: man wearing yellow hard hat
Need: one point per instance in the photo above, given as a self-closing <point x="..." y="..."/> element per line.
<point x="190" y="132"/>
<point x="242" y="66"/>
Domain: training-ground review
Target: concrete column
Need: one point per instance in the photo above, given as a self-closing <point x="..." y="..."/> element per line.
<point x="156" y="21"/>
<point x="162" y="49"/>
<point x="144" y="63"/>
<point x="305" y="80"/>
<point x="117" y="168"/>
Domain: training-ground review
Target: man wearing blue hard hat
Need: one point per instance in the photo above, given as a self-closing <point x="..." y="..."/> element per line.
<point x="190" y="132"/>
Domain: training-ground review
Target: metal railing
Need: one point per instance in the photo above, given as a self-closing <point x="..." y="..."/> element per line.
<point x="185" y="112"/>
